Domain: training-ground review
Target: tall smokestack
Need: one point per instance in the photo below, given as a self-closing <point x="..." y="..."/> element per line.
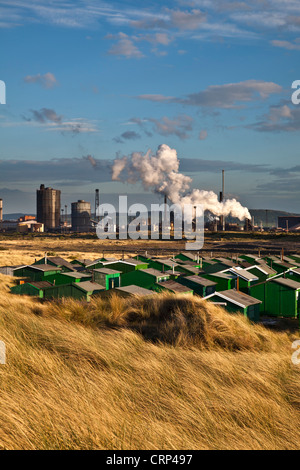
<point x="97" y="204"/>
<point x="222" y="198"/>
<point x="1" y="210"/>
<point x="166" y="202"/>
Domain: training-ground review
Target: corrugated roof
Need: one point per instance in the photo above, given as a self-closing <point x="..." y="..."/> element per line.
<point x="106" y="271"/>
<point x="226" y="262"/>
<point x="77" y="275"/>
<point x="187" y="263"/>
<point x="209" y="261"/>
<point x="136" y="262"/>
<point x="244" y="274"/>
<point x="236" y="297"/>
<point x="188" y="255"/>
<point x="201" y="281"/>
<point x="227" y="275"/>
<point x="43" y="267"/>
<point x="263" y="268"/>
<point x="89" y="286"/>
<point x="133" y="262"/>
<point x="83" y="261"/>
<point x="170" y="271"/>
<point x="58" y="261"/>
<point x="287" y="283"/>
<point x="154" y="272"/>
<point x="191" y="269"/>
<point x="41" y="284"/>
<point x="135" y="290"/>
<point x="281" y="263"/>
<point x="167" y="262"/>
<point x="174" y="287"/>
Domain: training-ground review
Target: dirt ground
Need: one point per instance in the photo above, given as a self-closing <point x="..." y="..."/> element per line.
<point x="90" y="247"/>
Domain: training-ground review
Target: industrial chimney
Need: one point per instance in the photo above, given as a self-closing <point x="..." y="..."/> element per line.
<point x="1" y="210"/>
<point x="97" y="204"/>
<point x="165" y="203"/>
<point x="222" y="198"/>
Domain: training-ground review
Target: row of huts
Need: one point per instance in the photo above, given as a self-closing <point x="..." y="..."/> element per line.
<point x="252" y="285"/>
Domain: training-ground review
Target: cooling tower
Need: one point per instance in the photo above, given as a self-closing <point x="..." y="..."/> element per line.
<point x="81" y="216"/>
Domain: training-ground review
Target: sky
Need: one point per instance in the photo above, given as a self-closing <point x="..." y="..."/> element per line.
<point x="89" y="81"/>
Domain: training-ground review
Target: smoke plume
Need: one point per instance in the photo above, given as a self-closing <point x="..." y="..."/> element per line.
<point x="160" y="173"/>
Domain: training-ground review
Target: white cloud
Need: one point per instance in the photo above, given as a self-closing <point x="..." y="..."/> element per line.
<point x="48" y="120"/>
<point x="179" y="126"/>
<point x="228" y="96"/>
<point x="290" y="46"/>
<point x="187" y="20"/>
<point x="281" y="118"/>
<point x="156" y="98"/>
<point x="125" y="47"/>
<point x="47" y="80"/>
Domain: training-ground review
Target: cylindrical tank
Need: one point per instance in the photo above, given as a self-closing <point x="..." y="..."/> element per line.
<point x="81" y="216"/>
<point x="48" y="207"/>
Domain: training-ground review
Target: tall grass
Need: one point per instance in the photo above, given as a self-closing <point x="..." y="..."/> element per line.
<point x="158" y="373"/>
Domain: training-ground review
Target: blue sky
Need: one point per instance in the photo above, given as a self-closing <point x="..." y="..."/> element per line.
<point x="211" y="79"/>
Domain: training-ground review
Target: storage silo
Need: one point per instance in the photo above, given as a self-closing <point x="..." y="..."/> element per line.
<point x="81" y="216"/>
<point x="48" y="207"/>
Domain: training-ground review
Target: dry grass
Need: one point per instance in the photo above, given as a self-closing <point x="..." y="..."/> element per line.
<point x="86" y="377"/>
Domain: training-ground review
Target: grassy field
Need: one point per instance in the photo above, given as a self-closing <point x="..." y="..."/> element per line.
<point x="160" y="373"/>
<point x="89" y="246"/>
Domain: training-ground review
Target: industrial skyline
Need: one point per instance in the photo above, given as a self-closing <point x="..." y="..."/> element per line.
<point x="91" y="81"/>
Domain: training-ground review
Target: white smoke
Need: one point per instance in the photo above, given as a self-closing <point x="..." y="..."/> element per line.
<point x="160" y="173"/>
<point x="91" y="159"/>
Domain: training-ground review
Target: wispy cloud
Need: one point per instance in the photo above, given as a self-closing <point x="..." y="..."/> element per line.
<point x="128" y="135"/>
<point x="47" y="80"/>
<point x="290" y="46"/>
<point x="125" y="47"/>
<point x="48" y="120"/>
<point x="44" y="115"/>
<point x="228" y="96"/>
<point x="281" y="118"/>
<point x="156" y="98"/>
<point x="179" y="126"/>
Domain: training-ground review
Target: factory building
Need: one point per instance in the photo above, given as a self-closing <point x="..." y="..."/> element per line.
<point x="289" y="223"/>
<point x="48" y="207"/>
<point x="81" y="216"/>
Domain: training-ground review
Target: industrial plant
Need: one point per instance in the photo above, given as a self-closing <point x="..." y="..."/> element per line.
<point x="52" y="218"/>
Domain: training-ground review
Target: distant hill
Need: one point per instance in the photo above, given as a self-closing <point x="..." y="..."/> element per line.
<point x="267" y="217"/>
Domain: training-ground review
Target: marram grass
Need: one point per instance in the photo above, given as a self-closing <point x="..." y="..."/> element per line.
<point x="161" y="373"/>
